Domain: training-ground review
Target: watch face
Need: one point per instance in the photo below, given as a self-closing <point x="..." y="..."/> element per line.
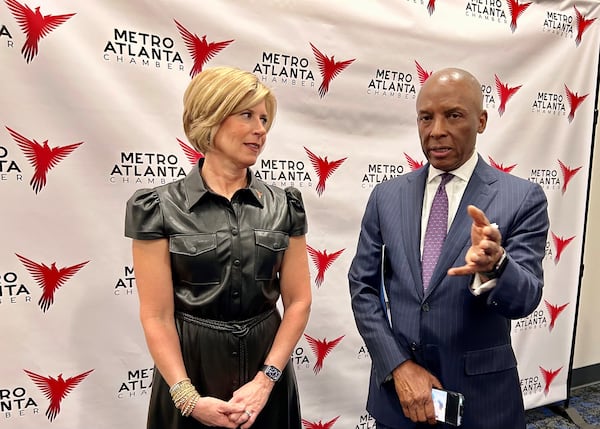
<point x="272" y="372"/>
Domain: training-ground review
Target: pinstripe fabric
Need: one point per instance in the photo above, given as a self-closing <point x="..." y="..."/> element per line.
<point x="462" y="339"/>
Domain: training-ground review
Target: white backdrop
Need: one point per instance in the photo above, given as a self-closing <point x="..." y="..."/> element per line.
<point x="104" y="89"/>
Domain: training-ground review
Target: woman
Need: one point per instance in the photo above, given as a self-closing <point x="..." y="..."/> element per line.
<point x="212" y="254"/>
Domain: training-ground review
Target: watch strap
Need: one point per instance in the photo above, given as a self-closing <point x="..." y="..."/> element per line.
<point x="498" y="268"/>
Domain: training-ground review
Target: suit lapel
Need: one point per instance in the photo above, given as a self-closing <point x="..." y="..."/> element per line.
<point x="411" y="226"/>
<point x="478" y="193"/>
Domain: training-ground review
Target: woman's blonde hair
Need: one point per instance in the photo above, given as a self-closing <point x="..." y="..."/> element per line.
<point x="216" y="93"/>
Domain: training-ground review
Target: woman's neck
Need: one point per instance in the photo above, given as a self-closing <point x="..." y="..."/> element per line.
<point x="223" y="178"/>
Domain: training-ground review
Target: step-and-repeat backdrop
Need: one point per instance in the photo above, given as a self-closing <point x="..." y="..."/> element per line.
<point x="91" y="111"/>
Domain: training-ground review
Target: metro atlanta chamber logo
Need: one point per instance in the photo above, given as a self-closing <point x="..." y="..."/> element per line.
<point x="322" y="261"/>
<point x="17" y="401"/>
<point x="567" y="25"/>
<point x="138" y="383"/>
<point x="147" y="168"/>
<point x="560" y="244"/>
<point x="376" y="173"/>
<point x="488" y="10"/>
<point x="328" y="424"/>
<point x="553" y="178"/>
<point x="41" y="156"/>
<point x="290" y="172"/>
<point x="199" y="48"/>
<point x="500" y="166"/>
<point x="399" y="84"/>
<point x="34" y="25"/>
<point x="277" y="68"/>
<point x="49" y="279"/>
<point x="545" y="316"/>
<point x="125" y="284"/>
<point x="321" y="349"/>
<point x="540" y="382"/>
<point x="148" y="49"/>
<point x="555" y="103"/>
<point x="56" y="389"/>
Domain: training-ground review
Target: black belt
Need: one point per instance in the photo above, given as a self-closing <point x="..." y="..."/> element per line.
<point x="239" y="328"/>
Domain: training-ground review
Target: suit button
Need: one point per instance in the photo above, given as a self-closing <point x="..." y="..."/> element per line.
<point x="236" y="262"/>
<point x="413" y="346"/>
<point x="425" y="307"/>
<point x="235" y="293"/>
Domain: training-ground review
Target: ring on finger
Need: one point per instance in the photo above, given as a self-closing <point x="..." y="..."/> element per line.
<point x="248" y="413"/>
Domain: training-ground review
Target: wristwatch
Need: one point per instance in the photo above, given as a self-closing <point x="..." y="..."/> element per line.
<point x="271" y="372"/>
<point x="498" y="268"/>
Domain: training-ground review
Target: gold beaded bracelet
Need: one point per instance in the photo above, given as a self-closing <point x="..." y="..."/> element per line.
<point x="184" y="396"/>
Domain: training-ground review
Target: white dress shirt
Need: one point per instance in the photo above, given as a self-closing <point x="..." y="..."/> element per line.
<point x="455" y="189"/>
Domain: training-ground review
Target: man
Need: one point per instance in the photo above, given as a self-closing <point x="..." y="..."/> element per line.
<point x="452" y="332"/>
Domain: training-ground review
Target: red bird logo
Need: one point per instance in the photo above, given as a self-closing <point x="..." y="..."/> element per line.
<point x="413" y="164"/>
<point x="34" y="25"/>
<point x="329" y="68"/>
<point x="324" y="168"/>
<point x="431" y="7"/>
<point x="568" y="174"/>
<point x="574" y="101"/>
<point x="56" y="389"/>
<point x="560" y="243"/>
<point x="192" y="154"/>
<point x="41" y="156"/>
<point x="200" y="50"/>
<point x="501" y="167"/>
<point x="319" y="425"/>
<point x="554" y="311"/>
<point x="321" y="348"/>
<point x="505" y="93"/>
<point x="49" y="278"/>
<point x="516" y="10"/>
<point x="582" y="25"/>
<point x="322" y="261"/>
<point x="422" y="73"/>
<point x="549" y="377"/>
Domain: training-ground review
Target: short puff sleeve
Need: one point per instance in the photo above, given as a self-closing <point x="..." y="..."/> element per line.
<point x="143" y="216"/>
<point x="296" y="211"/>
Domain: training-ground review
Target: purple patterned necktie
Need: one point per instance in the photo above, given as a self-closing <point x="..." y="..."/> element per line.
<point x="437" y="228"/>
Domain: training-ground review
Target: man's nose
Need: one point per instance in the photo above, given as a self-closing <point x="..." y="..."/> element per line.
<point x="438" y="127"/>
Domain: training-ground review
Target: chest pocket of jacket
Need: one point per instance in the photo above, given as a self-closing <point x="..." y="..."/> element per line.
<point x="270" y="246"/>
<point x="194" y="259"/>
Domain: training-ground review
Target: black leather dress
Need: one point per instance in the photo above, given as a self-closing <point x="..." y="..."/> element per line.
<point x="225" y="259"/>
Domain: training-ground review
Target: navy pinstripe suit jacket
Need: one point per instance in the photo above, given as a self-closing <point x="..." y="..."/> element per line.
<point x="464" y="340"/>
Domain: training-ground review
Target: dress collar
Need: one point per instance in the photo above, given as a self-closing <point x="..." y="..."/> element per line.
<point x="195" y="188"/>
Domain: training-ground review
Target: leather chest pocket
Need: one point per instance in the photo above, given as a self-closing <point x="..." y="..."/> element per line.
<point x="194" y="259"/>
<point x="270" y="246"/>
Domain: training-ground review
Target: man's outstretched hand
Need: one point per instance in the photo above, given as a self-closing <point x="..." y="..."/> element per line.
<point x="485" y="250"/>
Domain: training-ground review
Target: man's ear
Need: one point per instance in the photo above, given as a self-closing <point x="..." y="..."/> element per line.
<point x="483" y="117"/>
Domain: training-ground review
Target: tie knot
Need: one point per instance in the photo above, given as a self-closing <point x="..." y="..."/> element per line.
<point x="446" y="177"/>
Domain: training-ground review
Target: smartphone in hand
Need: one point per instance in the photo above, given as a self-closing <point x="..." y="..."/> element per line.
<point x="448" y="406"/>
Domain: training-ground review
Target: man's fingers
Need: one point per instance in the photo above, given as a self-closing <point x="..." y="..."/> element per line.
<point x="461" y="271"/>
<point x="478" y="216"/>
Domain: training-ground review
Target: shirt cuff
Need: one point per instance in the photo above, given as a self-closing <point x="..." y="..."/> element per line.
<point x="477" y="287"/>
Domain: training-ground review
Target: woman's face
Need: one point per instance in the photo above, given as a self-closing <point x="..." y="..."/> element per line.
<point x="242" y="136"/>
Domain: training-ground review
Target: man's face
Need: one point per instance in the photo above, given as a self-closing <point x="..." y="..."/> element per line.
<point x="449" y="116"/>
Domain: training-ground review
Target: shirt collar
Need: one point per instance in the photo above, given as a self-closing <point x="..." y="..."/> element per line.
<point x="195" y="188"/>
<point x="463" y="172"/>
